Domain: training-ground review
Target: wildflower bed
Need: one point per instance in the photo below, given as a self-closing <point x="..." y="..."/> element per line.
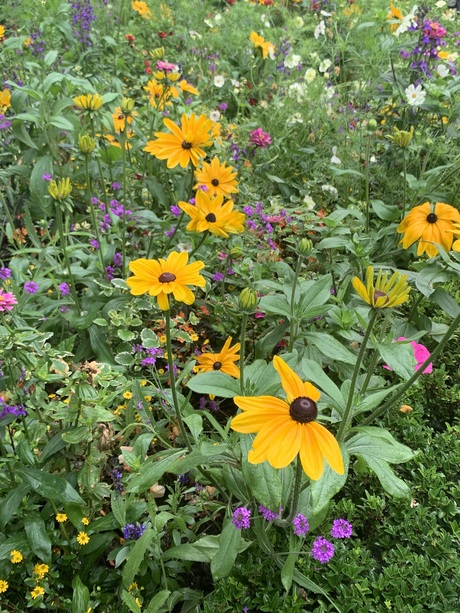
<point x="229" y="306"/>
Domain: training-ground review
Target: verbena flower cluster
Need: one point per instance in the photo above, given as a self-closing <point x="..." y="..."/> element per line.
<point x="82" y="14"/>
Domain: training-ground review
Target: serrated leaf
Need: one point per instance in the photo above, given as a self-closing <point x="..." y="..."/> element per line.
<point x="136" y="556"/>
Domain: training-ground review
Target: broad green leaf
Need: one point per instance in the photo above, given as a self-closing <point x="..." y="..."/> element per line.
<point x="373" y="400"/>
<point x="118" y="508"/>
<point x="195" y="425"/>
<point x="151" y="471"/>
<point x="314" y="297"/>
<point x="130" y="602"/>
<point x="216" y="383"/>
<point x="222" y="562"/>
<point x="157" y="601"/>
<point x="80" y="599"/>
<point x="330" y="483"/>
<point x="445" y="301"/>
<point x="136" y="556"/>
<point x="390" y="482"/>
<point x="263" y="480"/>
<point x="50" y="486"/>
<point x="426" y="278"/>
<point x="315" y="374"/>
<point x="331" y="347"/>
<point x="38" y="537"/>
<point x="399" y="357"/>
<point x="276" y="305"/>
<point x="188" y="552"/>
<point x="11" y="503"/>
<point x="387" y="212"/>
<point x="288" y="569"/>
<point x="75" y="435"/>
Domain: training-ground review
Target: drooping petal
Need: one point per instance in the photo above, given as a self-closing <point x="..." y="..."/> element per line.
<point x="329" y="447"/>
<point x="291" y="382"/>
<point x="163" y="301"/>
<point x="311" y="455"/>
<point x="286" y="446"/>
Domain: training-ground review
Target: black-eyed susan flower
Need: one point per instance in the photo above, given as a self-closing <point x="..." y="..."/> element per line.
<point x="224" y="361"/>
<point x="158" y="94"/>
<point x="16" y="556"/>
<point x="121" y="118"/>
<point x="163" y="277"/>
<point x="60" y="190"/>
<point x="213" y="215"/>
<point x="82" y="538"/>
<point x="287" y="428"/>
<point x="218" y="178"/>
<point x="89" y="102"/>
<point x="185" y="144"/>
<point x="385" y="292"/>
<point x="429" y="225"/>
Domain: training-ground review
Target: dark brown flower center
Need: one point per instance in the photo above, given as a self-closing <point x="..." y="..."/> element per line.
<point x="378" y="294"/>
<point x="210" y="217"/>
<point x="215" y="182"/>
<point x="186" y="145"/>
<point x="217" y="365"/>
<point x="432" y="218"/>
<point x="167" y="277"/>
<point x="121" y="116"/>
<point x="303" y="410"/>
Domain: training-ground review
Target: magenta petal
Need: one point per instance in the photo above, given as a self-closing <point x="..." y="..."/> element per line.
<point x="421" y="354"/>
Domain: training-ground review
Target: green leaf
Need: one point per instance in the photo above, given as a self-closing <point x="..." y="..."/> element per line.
<point x="288" y="568"/>
<point x="313" y="295"/>
<point x="151" y="471"/>
<point x="330" y="483"/>
<point x="373" y="400"/>
<point x="49" y="58"/>
<point x="118" y="508"/>
<point x="124" y="358"/>
<point x="445" y="301"/>
<point x="62" y="123"/>
<point x="11" y="503"/>
<point x="38" y="537"/>
<point x="157" y="601"/>
<point x="427" y="277"/>
<point x="80" y="599"/>
<point x="263" y="480"/>
<point x="399" y="357"/>
<point x="390" y="482"/>
<point x="49" y="486"/>
<point x="74" y="436"/>
<point x="20" y="132"/>
<point x="331" y="347"/>
<point x="222" y="562"/>
<point x="217" y="383"/>
<point x="195" y="425"/>
<point x="188" y="552"/>
<point x="136" y="556"/>
<point x="130" y="602"/>
<point x="387" y="212"/>
<point x="276" y="305"/>
<point x="314" y="373"/>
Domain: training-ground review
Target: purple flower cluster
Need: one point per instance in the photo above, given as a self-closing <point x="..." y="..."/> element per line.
<point x="151" y="353"/>
<point x="241" y="518"/>
<point x="263" y="224"/>
<point x="4" y="123"/>
<point x="110" y="271"/>
<point x="236" y="152"/>
<point x="341" y="529"/>
<point x="269" y="515"/>
<point x="5" y="273"/>
<point x="82" y="14"/>
<point x="64" y="289"/>
<point x="37" y="44"/>
<point x="322" y="550"/>
<point x="133" y="531"/>
<point x="213" y="405"/>
<point x="117" y="477"/>
<point x="31" y="287"/>
<point x="301" y="525"/>
<point x="7" y="409"/>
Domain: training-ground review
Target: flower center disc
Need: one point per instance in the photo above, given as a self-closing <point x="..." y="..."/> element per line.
<point x="210" y="217"/>
<point x="378" y="294"/>
<point x="215" y="182"/>
<point x="167" y="277"/>
<point x="217" y="365"/>
<point x="432" y="218"/>
<point x="186" y="145"/>
<point x="303" y="410"/>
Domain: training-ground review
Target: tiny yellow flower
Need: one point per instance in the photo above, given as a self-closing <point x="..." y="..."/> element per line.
<point x="162" y="339"/>
<point x="16" y="556"/>
<point x="37" y="591"/>
<point x="82" y="538"/>
<point x="148" y="398"/>
<point x="85" y="521"/>
<point x="128" y="395"/>
<point x="194" y="337"/>
<point x="143" y="382"/>
<point x="40" y="570"/>
<point x="3" y="586"/>
<point x="61" y="517"/>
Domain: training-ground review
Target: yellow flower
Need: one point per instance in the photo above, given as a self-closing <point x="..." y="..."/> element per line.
<point x="185" y="86"/>
<point x="3" y="586"/>
<point x="85" y="521"/>
<point x="223" y="361"/>
<point x="218" y="178"/>
<point x="128" y="395"/>
<point x="194" y="337"/>
<point x="2" y="31"/>
<point x="113" y="141"/>
<point x="37" y="591"/>
<point x="120" y="119"/>
<point x="89" y="102"/>
<point x="185" y="144"/>
<point x="143" y="383"/>
<point x="402" y="138"/>
<point x="60" y="190"/>
<point x="162" y="339"/>
<point x="40" y="570"/>
<point x="211" y="214"/>
<point x="16" y="556"/>
<point x="429" y="225"/>
<point x="142" y="9"/>
<point x="158" y="94"/>
<point x="61" y="517"/>
<point x="386" y="293"/>
<point x="5" y="100"/>
<point x="268" y="49"/>
<point x="82" y="538"/>
<point x="456" y="232"/>
<point x="162" y="277"/>
<point x="287" y="428"/>
<point x="395" y="17"/>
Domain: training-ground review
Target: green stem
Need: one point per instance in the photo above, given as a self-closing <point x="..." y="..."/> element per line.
<point x="404" y="185"/>
<point x="244" y="323"/>
<point x="367" y="179"/>
<point x="93" y="214"/>
<point x="202" y="240"/>
<point x="296" y="491"/>
<point x="66" y="255"/>
<point x="293" y="321"/>
<point x="348" y="414"/>
<point x="403" y="389"/>
<point x="123" y="219"/>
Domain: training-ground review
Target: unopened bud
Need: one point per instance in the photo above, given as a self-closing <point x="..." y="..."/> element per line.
<point x="248" y="300"/>
<point x="372" y="124"/>
<point x="127" y="105"/>
<point x="236" y="252"/>
<point x="305" y="247"/>
<point x="402" y="138"/>
<point x="86" y="144"/>
<point x="158" y="53"/>
<point x="59" y="190"/>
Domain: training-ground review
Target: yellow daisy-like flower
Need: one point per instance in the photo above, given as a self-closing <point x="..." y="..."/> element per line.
<point x="158" y="94"/>
<point x="89" y="102"/>
<point x="185" y="86"/>
<point x="286" y="428"/>
<point x="61" y="518"/>
<point x="37" y="591"/>
<point x="224" y="361"/>
<point x="40" y="570"/>
<point x="213" y="215"/>
<point x="185" y="144"/>
<point x="82" y="538"/>
<point x="456" y="233"/>
<point x="267" y="48"/>
<point x="3" y="586"/>
<point x="429" y="225"/>
<point x="5" y="100"/>
<point x="395" y="17"/>
<point x="142" y="9"/>
<point x="85" y="521"/>
<point x="16" y="556"/>
<point x="120" y="119"/>
<point x="2" y="32"/>
<point x="385" y="293"/>
<point x="218" y="178"/>
<point x="128" y="395"/>
<point x="60" y="190"/>
<point x="163" y="277"/>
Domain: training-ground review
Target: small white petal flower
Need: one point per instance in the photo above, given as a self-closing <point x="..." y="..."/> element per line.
<point x="219" y="80"/>
<point x="415" y="96"/>
<point x="310" y="75"/>
<point x="320" y="29"/>
<point x="442" y="70"/>
<point x="214" y="115"/>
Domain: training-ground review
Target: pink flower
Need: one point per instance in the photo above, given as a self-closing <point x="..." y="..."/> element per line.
<point x="7" y="301"/>
<point x="166" y="66"/>
<point x="260" y="139"/>
<point x="421" y="353"/>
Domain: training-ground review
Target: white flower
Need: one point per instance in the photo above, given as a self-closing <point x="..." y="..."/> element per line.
<point x="406" y="22"/>
<point x="310" y="75"/>
<point x="296" y="118"/>
<point x="299" y="22"/>
<point x="193" y="34"/>
<point x="309" y="202"/>
<point x="334" y="158"/>
<point x="265" y="21"/>
<point x="271" y="53"/>
<point x="373" y="159"/>
<point x="325" y="64"/>
<point x="297" y="91"/>
<point x="235" y="83"/>
<point x="415" y="95"/>
<point x="441" y="4"/>
<point x="330" y="92"/>
<point x="219" y="80"/>
<point x="214" y="115"/>
<point x="442" y="70"/>
<point x="217" y="17"/>
<point x="292" y="61"/>
<point x="320" y="29"/>
<point x="330" y="189"/>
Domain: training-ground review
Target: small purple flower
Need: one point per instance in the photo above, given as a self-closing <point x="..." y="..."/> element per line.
<point x="5" y="273"/>
<point x="301" y="526"/>
<point x="175" y="210"/>
<point x="118" y="259"/>
<point x="241" y="518"/>
<point x="15" y="410"/>
<point x="218" y="276"/>
<point x="148" y="362"/>
<point x="133" y="531"/>
<point x="4" y="123"/>
<point x="47" y="177"/>
<point x="269" y="515"/>
<point x="341" y="529"/>
<point x="260" y="139"/>
<point x="116" y="186"/>
<point x="223" y="106"/>
<point x="64" y="289"/>
<point x="31" y="287"/>
<point x="94" y="243"/>
<point x="322" y="550"/>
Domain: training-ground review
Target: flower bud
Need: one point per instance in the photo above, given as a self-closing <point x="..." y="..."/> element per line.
<point x="236" y="252"/>
<point x="248" y="300"/>
<point x="372" y="124"/>
<point x="305" y="247"/>
<point x="127" y="105"/>
<point x="402" y="138"/>
<point x="59" y="190"/>
<point x="158" y="53"/>
<point x="86" y="144"/>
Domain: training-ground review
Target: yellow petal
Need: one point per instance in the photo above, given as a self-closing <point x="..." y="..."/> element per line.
<point x="291" y="382"/>
<point x="286" y="446"/>
<point x="329" y="447"/>
<point x="311" y="455"/>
